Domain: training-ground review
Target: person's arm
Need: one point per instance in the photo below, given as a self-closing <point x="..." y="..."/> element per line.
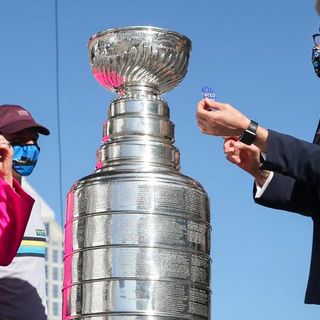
<point x="15" y="209"/>
<point x="286" y="193"/>
<point x="279" y="192"/>
<point x="284" y="154"/>
<point x="248" y="158"/>
<point x="221" y="119"/>
<point x="293" y="157"/>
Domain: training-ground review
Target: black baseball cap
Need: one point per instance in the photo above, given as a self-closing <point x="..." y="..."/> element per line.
<point x="14" y="118"/>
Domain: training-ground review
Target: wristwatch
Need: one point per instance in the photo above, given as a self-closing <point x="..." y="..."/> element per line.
<point x="249" y="135"/>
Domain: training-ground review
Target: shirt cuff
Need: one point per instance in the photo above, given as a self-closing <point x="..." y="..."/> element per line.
<point x="260" y="190"/>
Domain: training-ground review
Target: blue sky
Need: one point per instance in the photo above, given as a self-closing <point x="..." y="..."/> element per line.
<point x="257" y="57"/>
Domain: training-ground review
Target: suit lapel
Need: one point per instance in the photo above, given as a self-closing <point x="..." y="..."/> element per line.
<point x="316" y="139"/>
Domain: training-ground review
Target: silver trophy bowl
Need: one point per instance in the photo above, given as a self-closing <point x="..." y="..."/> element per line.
<point x="137" y="230"/>
<point x="143" y="56"/>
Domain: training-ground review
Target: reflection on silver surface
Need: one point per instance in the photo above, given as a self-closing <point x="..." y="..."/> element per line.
<point x="137" y="230"/>
<point x="137" y="296"/>
<point x="169" y="193"/>
<point x="164" y="231"/>
<point x="148" y="56"/>
<point x="138" y="262"/>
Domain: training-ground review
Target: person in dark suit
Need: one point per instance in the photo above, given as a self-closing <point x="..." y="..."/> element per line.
<point x="286" y="169"/>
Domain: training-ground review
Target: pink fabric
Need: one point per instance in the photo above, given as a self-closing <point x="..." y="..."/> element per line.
<point x="68" y="251"/>
<point x="15" y="209"/>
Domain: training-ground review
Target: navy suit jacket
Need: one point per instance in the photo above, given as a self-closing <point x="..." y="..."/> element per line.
<point x="295" y="187"/>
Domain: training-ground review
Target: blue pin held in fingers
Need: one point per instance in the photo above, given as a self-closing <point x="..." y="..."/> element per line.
<point x="209" y="93"/>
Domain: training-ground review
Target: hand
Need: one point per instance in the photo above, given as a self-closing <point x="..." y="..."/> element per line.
<point x="246" y="157"/>
<point x="6" y="155"/>
<point x="223" y="120"/>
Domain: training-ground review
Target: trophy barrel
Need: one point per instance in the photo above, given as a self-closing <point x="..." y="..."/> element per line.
<point x="140" y="247"/>
<point x="137" y="233"/>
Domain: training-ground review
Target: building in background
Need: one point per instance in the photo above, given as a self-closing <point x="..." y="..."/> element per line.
<point x="54" y="256"/>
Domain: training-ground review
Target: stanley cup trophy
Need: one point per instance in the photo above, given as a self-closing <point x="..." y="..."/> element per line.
<point x="137" y="230"/>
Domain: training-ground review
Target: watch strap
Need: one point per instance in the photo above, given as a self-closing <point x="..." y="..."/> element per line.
<point x="249" y="135"/>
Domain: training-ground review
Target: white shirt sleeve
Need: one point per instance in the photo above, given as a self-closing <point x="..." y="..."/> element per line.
<point x="260" y="190"/>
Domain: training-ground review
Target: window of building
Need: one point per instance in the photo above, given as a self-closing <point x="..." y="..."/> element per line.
<point x="61" y="274"/>
<point x="55" y="308"/>
<point x="47" y="228"/>
<point x="55" y="292"/>
<point x="55" y="271"/>
<point x="47" y="289"/>
<point x="55" y="256"/>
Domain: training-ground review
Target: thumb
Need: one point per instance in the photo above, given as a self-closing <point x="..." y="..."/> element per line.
<point x="241" y="145"/>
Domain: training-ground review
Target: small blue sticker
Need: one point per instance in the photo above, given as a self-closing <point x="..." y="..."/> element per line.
<point x="208" y="92"/>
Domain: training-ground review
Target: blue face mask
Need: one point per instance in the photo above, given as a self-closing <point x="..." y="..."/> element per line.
<point x="25" y="157"/>
<point x="316" y="60"/>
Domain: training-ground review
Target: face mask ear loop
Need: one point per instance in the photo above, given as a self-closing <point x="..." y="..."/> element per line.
<point x="36" y="144"/>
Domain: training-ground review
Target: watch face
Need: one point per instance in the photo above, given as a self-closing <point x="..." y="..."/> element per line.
<point x="249" y="135"/>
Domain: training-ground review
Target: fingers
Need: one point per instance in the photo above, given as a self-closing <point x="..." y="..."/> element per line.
<point x="230" y="142"/>
<point x="233" y="158"/>
<point x="205" y="107"/>
<point x="3" y="139"/>
<point x="235" y="143"/>
<point x="242" y="146"/>
<point x="214" y="104"/>
<point x="5" y="148"/>
<point x="5" y="144"/>
<point x="202" y="123"/>
<point x="203" y="128"/>
<point x="226" y="138"/>
<point x="206" y="103"/>
<point x="206" y="120"/>
<point x="224" y="120"/>
<point x="232" y="153"/>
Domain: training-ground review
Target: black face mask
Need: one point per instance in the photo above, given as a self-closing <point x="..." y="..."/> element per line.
<point x="316" y="60"/>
